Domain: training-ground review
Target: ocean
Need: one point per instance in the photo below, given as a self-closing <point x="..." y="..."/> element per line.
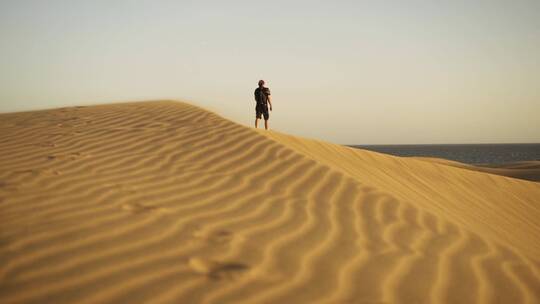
<point x="464" y="153"/>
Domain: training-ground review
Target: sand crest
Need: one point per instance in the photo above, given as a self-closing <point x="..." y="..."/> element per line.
<point x="164" y="202"/>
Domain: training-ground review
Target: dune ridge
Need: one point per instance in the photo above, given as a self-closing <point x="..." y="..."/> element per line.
<point x="165" y="202"/>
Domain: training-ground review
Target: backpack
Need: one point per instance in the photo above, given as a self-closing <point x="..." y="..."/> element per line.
<point x="260" y="96"/>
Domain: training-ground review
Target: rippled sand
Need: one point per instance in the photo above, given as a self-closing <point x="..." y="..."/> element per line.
<point x="164" y="202"/>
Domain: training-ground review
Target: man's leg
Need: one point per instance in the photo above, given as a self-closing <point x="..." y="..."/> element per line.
<point x="266" y="116"/>
<point x="256" y="123"/>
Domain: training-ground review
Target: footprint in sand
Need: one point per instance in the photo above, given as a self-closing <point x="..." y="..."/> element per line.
<point x="70" y="156"/>
<point x="215" y="237"/>
<point x="217" y="270"/>
<point x="137" y="208"/>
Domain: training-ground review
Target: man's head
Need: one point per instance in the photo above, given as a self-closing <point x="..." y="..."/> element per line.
<point x="261" y="83"/>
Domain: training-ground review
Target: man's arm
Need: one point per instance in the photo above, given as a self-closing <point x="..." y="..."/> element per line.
<point x="270" y="101"/>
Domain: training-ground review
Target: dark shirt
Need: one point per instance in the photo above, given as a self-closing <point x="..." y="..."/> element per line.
<point x="261" y="95"/>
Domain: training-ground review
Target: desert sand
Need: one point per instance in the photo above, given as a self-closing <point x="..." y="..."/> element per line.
<point x="165" y="202"/>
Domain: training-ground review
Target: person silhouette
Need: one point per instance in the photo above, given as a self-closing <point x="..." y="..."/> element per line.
<point x="263" y="99"/>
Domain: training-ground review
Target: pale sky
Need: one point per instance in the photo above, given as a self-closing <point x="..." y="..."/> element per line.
<point x="348" y="72"/>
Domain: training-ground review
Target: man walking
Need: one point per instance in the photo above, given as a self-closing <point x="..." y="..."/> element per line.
<point x="262" y="97"/>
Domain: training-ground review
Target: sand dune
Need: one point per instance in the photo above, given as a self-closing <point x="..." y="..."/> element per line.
<point x="164" y="202"/>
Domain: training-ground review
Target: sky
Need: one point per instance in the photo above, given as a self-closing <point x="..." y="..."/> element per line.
<point x="348" y="72"/>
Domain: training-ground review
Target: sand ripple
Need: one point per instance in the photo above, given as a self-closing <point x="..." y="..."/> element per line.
<point x="164" y="202"/>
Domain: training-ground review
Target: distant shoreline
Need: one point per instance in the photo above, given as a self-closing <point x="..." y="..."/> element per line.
<point x="475" y="154"/>
<point x="481" y="144"/>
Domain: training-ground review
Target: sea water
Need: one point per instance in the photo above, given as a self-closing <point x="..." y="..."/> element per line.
<point x="464" y="153"/>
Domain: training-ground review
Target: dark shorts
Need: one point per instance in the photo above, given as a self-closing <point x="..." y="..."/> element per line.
<point x="261" y="110"/>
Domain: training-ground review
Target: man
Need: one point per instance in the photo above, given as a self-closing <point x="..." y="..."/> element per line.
<point x="263" y="99"/>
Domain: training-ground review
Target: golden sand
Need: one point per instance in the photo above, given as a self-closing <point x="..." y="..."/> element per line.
<point x="164" y="202"/>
